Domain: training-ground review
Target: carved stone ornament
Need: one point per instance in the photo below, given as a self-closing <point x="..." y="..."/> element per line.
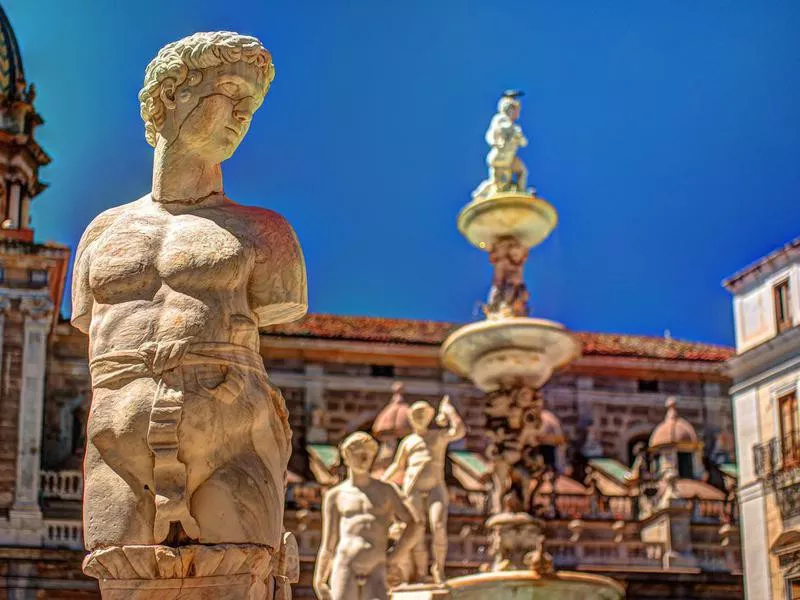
<point x="233" y="571"/>
<point x="517" y="543"/>
<point x="188" y="441"/>
<point x="39" y="308"/>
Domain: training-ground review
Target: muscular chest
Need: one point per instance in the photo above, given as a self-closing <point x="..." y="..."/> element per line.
<point x="357" y="502"/>
<point x="140" y="251"/>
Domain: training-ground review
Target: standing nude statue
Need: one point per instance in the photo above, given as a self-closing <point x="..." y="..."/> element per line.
<point x="506" y="170"/>
<point x="421" y="456"/>
<point x="188" y="441"/>
<point x="356" y="516"/>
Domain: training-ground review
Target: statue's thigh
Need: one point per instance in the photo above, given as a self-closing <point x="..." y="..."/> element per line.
<point x="240" y="502"/>
<point x="343" y="584"/>
<point x="119" y="465"/>
<point x="375" y="587"/>
<point x="118" y="510"/>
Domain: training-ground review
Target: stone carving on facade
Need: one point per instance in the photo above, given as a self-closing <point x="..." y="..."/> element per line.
<point x="356" y="516"/>
<point x="38" y="307"/>
<point x="188" y="441"/>
<point x="508" y="296"/>
<point x="421" y="457"/>
<point x="517" y="543"/>
<point x="514" y="427"/>
<point x="506" y="171"/>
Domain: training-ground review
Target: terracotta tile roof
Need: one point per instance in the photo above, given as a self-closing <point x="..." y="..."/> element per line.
<point x="410" y="331"/>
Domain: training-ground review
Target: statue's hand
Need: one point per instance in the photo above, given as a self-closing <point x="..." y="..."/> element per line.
<point x="229" y="389"/>
<point x="323" y="591"/>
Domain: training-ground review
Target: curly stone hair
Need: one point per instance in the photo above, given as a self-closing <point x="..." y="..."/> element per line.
<point x="185" y="59"/>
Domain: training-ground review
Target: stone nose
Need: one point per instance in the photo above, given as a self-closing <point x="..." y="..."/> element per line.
<point x="243" y="116"/>
<point x="243" y="111"/>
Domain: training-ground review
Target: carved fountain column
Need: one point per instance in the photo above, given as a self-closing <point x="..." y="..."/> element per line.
<point x="510" y="355"/>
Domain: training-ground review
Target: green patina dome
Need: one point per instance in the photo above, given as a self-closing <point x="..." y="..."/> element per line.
<point x="12" y="77"/>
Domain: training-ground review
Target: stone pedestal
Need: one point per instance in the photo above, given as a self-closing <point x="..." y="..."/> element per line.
<point x="221" y="572"/>
<point x="421" y="591"/>
<point x="671" y="527"/>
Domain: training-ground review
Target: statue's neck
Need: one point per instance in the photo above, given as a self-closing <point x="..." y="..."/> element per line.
<point x="360" y="480"/>
<point x="182" y="177"/>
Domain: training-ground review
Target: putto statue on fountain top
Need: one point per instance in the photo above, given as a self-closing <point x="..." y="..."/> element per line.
<point x="188" y="441"/>
<point x="506" y="170"/>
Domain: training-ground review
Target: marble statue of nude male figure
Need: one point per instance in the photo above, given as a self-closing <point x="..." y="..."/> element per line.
<point x="187" y="439"/>
<point x="356" y="515"/>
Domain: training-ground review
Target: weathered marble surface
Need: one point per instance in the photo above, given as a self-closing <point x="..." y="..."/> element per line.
<point x="188" y="441"/>
<point x="356" y="517"/>
<point x="421" y="457"/>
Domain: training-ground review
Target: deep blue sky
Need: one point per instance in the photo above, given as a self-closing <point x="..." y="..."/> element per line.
<point x="665" y="133"/>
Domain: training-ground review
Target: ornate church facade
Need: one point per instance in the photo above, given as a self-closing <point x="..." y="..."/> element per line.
<point x="628" y="403"/>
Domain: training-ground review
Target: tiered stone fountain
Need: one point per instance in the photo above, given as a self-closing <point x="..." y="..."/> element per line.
<point x="510" y="356"/>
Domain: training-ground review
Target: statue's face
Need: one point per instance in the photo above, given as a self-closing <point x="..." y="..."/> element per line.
<point x="212" y="116"/>
<point x="421" y="415"/>
<point x="359" y="457"/>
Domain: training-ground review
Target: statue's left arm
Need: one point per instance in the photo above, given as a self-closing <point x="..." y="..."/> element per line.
<point x="456" y="429"/>
<point x="414" y="526"/>
<point x="277" y="289"/>
<point x="398" y="464"/>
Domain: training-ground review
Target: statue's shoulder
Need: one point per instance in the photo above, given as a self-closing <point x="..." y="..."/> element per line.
<point x="104" y="220"/>
<point x="259" y="222"/>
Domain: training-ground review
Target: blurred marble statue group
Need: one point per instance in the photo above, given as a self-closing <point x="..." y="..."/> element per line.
<point x="360" y="514"/>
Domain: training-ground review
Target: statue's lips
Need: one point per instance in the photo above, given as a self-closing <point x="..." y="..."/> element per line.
<point x="234" y="130"/>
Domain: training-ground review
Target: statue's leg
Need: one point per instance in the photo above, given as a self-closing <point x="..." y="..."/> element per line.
<point x="419" y="553"/>
<point x="114" y="514"/>
<point x="237" y="504"/>
<point x="375" y="586"/>
<point x="118" y="495"/>
<point x="437" y="513"/>
<point x="343" y="581"/>
<point x="522" y="175"/>
<point x="235" y="485"/>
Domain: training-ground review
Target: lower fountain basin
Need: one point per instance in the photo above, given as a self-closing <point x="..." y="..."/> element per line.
<point x="506" y="352"/>
<point x="526" y="585"/>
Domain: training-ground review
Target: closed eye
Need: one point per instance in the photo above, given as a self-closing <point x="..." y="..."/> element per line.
<point x="230" y="88"/>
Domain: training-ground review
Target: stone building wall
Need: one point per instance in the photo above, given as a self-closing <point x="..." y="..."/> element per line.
<point x="10" y="380"/>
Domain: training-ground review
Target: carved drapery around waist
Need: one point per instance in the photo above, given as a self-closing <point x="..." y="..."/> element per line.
<point x="164" y="362"/>
<point x="154" y="358"/>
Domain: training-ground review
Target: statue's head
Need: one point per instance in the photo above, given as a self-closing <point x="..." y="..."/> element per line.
<point x="358" y="451"/>
<point x="200" y="92"/>
<point x="420" y="415"/>
<point x="509" y="106"/>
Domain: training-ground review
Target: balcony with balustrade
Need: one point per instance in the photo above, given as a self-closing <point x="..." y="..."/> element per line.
<point x="777" y="464"/>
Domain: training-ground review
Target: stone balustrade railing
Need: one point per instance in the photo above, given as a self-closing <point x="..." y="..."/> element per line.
<point x="64" y="485"/>
<point x="470" y="549"/>
<point x="63" y="533"/>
